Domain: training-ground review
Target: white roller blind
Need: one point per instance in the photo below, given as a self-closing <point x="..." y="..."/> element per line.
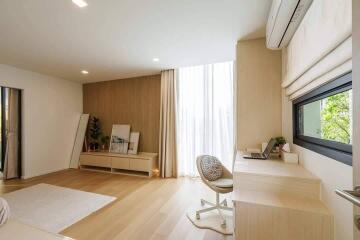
<point x="338" y="71"/>
<point x="320" y="47"/>
<point x="334" y="59"/>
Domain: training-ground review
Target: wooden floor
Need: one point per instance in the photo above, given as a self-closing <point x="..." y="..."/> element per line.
<point x="145" y="208"/>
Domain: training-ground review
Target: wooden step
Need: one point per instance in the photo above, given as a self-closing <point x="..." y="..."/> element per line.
<point x="278" y="201"/>
<point x="280" y="216"/>
<point x="277" y="177"/>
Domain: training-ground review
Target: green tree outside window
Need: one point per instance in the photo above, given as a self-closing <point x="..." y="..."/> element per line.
<point x="336" y="118"/>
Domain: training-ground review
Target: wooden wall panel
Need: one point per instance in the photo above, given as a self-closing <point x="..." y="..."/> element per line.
<point x="134" y="101"/>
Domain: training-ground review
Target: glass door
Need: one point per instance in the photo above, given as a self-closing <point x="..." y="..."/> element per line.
<point x="4" y="92"/>
<point x="1" y="133"/>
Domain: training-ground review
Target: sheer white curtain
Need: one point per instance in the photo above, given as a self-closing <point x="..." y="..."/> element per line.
<point x="205" y="115"/>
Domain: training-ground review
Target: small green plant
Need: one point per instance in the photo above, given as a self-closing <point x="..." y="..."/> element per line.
<point x="280" y="141"/>
<point x="336" y="118"/>
<point x="94" y="133"/>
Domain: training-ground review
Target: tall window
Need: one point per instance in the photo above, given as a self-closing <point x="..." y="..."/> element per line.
<point x="205" y="115"/>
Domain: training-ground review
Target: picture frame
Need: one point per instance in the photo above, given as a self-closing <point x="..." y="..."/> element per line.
<point x="120" y="136"/>
<point x="134" y="143"/>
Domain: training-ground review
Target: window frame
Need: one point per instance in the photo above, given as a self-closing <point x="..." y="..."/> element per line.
<point x="339" y="151"/>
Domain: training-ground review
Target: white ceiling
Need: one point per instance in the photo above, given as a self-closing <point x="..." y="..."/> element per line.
<point x="115" y="39"/>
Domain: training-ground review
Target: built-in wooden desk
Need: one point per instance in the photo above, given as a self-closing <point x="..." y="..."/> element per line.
<point x="278" y="201"/>
<point x="275" y="176"/>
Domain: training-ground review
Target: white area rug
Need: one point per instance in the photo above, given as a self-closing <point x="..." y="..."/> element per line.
<point x="53" y="208"/>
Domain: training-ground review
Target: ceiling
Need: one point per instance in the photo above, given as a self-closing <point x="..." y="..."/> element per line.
<point x="115" y="39"/>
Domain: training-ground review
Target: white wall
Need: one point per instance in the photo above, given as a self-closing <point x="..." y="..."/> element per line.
<point x="51" y="110"/>
<point x="333" y="175"/>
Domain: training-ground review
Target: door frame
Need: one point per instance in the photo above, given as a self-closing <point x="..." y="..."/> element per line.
<point x="356" y="102"/>
<point x="3" y="128"/>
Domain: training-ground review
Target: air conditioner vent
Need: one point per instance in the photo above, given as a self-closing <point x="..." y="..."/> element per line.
<point x="284" y="19"/>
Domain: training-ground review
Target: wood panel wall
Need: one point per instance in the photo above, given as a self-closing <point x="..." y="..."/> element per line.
<point x="134" y="101"/>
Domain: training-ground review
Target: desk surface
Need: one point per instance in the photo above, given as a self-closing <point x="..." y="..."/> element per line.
<point x="275" y="167"/>
<point x="277" y="184"/>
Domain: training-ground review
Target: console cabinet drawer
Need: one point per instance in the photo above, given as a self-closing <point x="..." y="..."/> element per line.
<point x="97" y="161"/>
<point x="120" y="163"/>
<point x="140" y="165"/>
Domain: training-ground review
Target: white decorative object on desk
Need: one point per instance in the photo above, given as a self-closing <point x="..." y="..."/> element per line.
<point x="290" y="157"/>
<point x="286" y="148"/>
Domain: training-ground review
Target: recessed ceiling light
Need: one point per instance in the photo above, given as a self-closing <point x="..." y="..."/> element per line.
<point x="156" y="59"/>
<point x="84" y="72"/>
<point x="80" y="3"/>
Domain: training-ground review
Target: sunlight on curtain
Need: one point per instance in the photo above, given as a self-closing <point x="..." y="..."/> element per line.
<point x="205" y="115"/>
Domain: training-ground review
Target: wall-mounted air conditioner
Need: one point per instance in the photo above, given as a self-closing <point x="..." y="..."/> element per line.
<point x="284" y="18"/>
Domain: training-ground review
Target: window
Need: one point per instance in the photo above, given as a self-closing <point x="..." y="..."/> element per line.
<point x="205" y="115"/>
<point x="323" y="120"/>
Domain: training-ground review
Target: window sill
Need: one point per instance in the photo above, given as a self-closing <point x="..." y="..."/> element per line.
<point x="337" y="155"/>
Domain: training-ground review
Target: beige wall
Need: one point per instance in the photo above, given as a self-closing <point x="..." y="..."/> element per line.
<point x="258" y="93"/>
<point x="51" y="108"/>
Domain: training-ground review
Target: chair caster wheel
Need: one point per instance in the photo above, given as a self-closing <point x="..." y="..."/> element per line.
<point x="223" y="225"/>
<point x="202" y="202"/>
<point x="197" y="216"/>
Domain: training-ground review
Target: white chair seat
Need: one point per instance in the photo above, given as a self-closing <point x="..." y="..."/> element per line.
<point x="222" y="183"/>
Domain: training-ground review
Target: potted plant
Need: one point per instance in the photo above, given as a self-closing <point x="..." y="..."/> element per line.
<point x="104" y="142"/>
<point x="94" y="133"/>
<point x="280" y="142"/>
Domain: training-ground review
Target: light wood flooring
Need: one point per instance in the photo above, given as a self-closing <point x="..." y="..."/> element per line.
<point x="145" y="208"/>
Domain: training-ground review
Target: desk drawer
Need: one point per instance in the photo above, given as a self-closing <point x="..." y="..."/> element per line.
<point x="120" y="163"/>
<point x="97" y="161"/>
<point x="140" y="165"/>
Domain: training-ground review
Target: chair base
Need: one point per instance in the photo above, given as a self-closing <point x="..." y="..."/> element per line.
<point x="219" y="206"/>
